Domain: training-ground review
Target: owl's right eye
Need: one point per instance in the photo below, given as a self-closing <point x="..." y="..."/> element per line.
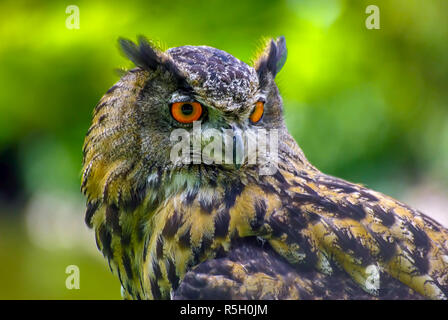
<point x="186" y="112"/>
<point x="258" y="112"/>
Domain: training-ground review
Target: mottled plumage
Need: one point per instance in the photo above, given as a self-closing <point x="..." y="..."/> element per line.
<point x="220" y="231"/>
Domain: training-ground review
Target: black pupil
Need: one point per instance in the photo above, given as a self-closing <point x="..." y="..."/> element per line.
<point x="187" y="109"/>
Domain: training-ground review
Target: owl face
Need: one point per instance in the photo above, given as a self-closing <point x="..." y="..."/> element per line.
<point x="209" y="86"/>
<point x="212" y="90"/>
<point x="192" y="89"/>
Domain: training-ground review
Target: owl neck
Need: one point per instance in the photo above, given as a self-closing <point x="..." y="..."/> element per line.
<point x="165" y="183"/>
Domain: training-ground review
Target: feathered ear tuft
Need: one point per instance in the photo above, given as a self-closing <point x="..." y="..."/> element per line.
<point x="272" y="58"/>
<point x="143" y="55"/>
<point x="148" y="57"/>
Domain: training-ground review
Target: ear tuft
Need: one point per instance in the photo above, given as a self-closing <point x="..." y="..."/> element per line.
<point x="272" y="59"/>
<point x="148" y="57"/>
<point x="282" y="53"/>
<point x="143" y="55"/>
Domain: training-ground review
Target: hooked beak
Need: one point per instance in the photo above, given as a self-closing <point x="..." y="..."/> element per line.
<point x="238" y="147"/>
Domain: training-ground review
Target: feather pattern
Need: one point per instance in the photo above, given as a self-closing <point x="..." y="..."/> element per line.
<point x="198" y="230"/>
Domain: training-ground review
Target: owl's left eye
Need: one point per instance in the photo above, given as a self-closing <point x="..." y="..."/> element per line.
<point x="257" y="114"/>
<point x="186" y="112"/>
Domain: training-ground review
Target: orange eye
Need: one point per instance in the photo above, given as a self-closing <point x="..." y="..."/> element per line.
<point x="257" y="114"/>
<point x="186" y="112"/>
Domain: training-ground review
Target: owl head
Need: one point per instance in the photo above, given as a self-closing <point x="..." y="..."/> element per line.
<point x="130" y="143"/>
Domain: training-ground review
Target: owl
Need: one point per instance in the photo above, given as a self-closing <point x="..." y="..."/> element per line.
<point x="189" y="227"/>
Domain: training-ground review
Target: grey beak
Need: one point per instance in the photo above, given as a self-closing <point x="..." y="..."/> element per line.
<point x="238" y="148"/>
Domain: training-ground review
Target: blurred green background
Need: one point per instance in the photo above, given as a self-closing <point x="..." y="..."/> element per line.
<point x="366" y="105"/>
